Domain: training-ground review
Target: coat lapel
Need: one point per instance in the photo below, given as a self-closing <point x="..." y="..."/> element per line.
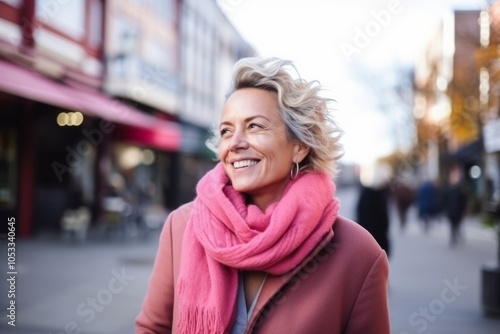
<point x="273" y="284"/>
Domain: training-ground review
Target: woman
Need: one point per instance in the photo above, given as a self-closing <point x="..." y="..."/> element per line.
<point x="262" y="248"/>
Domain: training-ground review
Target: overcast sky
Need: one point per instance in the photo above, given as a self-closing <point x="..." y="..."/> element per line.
<point x="338" y="41"/>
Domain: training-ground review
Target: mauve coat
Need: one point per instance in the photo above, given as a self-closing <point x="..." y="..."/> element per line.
<point x="341" y="287"/>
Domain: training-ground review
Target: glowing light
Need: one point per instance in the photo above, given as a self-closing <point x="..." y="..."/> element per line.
<point x="62" y="119"/>
<point x="78" y="118"/>
<point x="148" y="157"/>
<point x="130" y="157"/>
<point x="475" y="172"/>
<point x="70" y="119"/>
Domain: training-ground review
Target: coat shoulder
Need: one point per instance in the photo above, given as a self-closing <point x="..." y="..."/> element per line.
<point x="179" y="217"/>
<point x="354" y="238"/>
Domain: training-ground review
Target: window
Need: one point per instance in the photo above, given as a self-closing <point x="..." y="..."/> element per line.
<point x="164" y="9"/>
<point x="66" y="16"/>
<point x="157" y="52"/>
<point x="95" y="36"/>
<point x="13" y="3"/>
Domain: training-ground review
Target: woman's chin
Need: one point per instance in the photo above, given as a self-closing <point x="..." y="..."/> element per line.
<point x="243" y="187"/>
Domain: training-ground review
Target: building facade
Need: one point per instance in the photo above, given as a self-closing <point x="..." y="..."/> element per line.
<point x="488" y="61"/>
<point x="142" y="70"/>
<point x="210" y="45"/>
<point x="448" y="100"/>
<point x="96" y="93"/>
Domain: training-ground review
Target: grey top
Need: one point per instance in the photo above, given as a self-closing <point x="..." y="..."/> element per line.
<point x="242" y="314"/>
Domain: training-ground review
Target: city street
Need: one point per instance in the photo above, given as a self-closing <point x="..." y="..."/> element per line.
<point x="97" y="287"/>
<point x="111" y="111"/>
<point x="434" y="288"/>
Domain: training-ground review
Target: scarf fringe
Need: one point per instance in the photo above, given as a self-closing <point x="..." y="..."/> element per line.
<point x="200" y="320"/>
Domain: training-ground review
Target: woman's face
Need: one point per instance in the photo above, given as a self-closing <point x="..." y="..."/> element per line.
<point x="254" y="149"/>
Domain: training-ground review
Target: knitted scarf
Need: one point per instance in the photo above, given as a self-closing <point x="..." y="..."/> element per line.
<point x="224" y="234"/>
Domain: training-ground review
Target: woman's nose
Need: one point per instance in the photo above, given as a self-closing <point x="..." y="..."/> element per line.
<point x="238" y="141"/>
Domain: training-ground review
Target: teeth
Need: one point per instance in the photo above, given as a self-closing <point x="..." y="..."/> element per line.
<point x="244" y="163"/>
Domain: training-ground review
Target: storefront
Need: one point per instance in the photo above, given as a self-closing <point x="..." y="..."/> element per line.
<point x="57" y="139"/>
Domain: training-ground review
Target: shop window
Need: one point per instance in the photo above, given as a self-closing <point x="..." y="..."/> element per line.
<point x="8" y="168"/>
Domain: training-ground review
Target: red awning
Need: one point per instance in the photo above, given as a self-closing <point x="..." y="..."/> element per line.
<point x="152" y="138"/>
<point x="31" y="85"/>
<point x="154" y="132"/>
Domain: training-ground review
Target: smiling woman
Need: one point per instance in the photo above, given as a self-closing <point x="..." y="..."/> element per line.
<point x="254" y="149"/>
<point x="263" y="238"/>
<point x="301" y="108"/>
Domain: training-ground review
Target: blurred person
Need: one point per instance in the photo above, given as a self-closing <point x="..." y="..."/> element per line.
<point x="454" y="203"/>
<point x="116" y="203"/>
<point x="75" y="198"/>
<point x="403" y="197"/>
<point x="372" y="208"/>
<point x="262" y="240"/>
<point x="428" y="202"/>
<point x="144" y="205"/>
<point x="76" y="218"/>
<point x="116" y="185"/>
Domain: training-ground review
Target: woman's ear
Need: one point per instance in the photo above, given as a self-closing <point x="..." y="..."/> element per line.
<point x="300" y="151"/>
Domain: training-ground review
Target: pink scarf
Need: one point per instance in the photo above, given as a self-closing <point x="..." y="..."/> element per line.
<point x="225" y="234"/>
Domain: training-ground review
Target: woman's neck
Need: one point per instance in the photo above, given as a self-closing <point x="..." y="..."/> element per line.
<point x="266" y="197"/>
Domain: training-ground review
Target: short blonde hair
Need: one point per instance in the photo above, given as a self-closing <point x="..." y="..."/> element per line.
<point x="303" y="110"/>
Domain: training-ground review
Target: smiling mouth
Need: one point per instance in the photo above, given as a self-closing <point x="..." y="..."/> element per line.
<point x="244" y="163"/>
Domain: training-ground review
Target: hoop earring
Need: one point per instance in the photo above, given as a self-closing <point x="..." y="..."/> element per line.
<point x="294" y="171"/>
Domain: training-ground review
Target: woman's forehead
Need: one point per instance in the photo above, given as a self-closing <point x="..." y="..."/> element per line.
<point x="251" y="102"/>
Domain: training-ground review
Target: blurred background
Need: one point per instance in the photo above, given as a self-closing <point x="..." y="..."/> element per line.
<point x="105" y="107"/>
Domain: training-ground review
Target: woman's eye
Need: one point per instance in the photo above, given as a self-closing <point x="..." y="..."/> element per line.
<point x="224" y="131"/>
<point x="254" y="125"/>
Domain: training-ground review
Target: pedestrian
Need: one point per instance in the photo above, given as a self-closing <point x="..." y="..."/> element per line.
<point x="263" y="240"/>
<point x="372" y="208"/>
<point x="403" y="197"/>
<point x="428" y="201"/>
<point x="454" y="202"/>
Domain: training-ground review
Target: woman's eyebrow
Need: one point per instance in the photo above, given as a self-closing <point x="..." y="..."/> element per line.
<point x="246" y="120"/>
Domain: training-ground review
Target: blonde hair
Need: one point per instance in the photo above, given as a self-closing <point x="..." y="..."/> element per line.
<point x="303" y="110"/>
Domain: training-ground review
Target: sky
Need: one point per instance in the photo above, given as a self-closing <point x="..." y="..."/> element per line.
<point x="353" y="48"/>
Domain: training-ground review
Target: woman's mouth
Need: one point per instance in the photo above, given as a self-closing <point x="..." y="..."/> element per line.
<point x="244" y="163"/>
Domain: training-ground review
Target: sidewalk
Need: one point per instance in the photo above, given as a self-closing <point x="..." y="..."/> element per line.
<point x="424" y="266"/>
<point x="436" y="288"/>
<point x="65" y="287"/>
<point x="97" y="287"/>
